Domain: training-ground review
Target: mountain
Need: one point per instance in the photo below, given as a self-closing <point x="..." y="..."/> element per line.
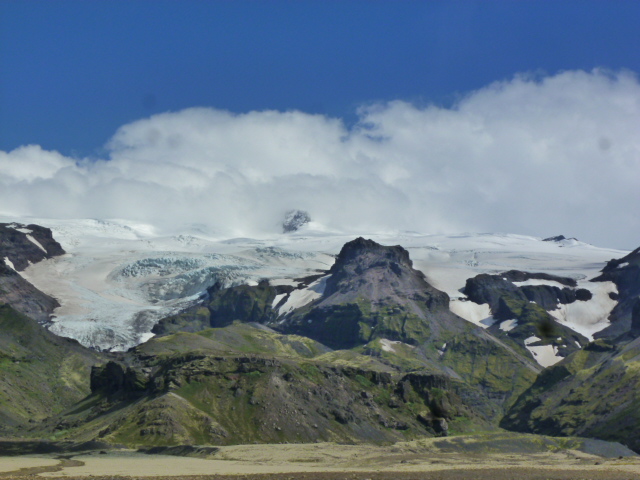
<point x="314" y="336"/>
<point x="373" y="291"/>
<point x="372" y="300"/>
<point x="119" y="279"/>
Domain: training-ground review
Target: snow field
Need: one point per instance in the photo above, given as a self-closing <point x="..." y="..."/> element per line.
<point x="118" y="278"/>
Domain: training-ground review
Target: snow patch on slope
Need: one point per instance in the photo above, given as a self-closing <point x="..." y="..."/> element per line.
<point x="471" y="311"/>
<point x="9" y="264"/>
<point x="36" y="243"/>
<point x="591" y="316"/>
<point x="300" y="298"/>
<point x="545" y="355"/>
<point x="508" y="325"/>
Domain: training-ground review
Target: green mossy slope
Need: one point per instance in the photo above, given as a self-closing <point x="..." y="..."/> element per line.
<point x="594" y="392"/>
<point x="40" y="373"/>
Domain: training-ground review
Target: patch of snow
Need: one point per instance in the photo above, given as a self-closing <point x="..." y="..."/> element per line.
<point x="145" y="337"/>
<point x="283" y="281"/>
<point x="36" y="243"/>
<point x="531" y="340"/>
<point x="9" y="263"/>
<point x="623" y="264"/>
<point x="387" y="345"/>
<point x="590" y="316"/>
<point x="300" y="298"/>
<point x="469" y="310"/>
<point x="508" y="325"/>
<point x="277" y="299"/>
<point x="535" y="281"/>
<point x="545" y="355"/>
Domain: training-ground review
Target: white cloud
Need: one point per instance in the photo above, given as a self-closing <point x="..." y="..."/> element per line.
<point x="540" y="156"/>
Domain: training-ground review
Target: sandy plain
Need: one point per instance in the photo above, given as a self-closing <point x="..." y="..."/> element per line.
<point x="326" y="461"/>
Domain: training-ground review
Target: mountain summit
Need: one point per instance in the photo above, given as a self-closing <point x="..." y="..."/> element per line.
<point x="373" y="291"/>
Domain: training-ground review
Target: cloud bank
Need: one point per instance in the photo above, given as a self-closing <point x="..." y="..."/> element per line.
<point x="532" y="155"/>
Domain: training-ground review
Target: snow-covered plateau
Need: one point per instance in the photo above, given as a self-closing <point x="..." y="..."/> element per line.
<point x="119" y="278"/>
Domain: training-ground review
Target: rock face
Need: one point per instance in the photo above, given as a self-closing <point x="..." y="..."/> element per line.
<point x="372" y="291"/>
<point x="294" y="219"/>
<point x="24" y="244"/>
<point x="24" y="297"/>
<point x="21" y="245"/>
<point x="625" y="273"/>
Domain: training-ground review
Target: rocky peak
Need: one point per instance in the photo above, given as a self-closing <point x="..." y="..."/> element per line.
<point x="294" y="219"/>
<point x="363" y="261"/>
<point x="365" y="253"/>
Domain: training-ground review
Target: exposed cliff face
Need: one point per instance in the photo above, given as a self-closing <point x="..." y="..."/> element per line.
<point x="20" y="246"/>
<point x="24" y="297"/>
<point x="625" y="317"/>
<point x="24" y="244"/>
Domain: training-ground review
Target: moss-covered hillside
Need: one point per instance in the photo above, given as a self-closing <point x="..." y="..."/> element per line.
<point x="594" y="392"/>
<point x="41" y="374"/>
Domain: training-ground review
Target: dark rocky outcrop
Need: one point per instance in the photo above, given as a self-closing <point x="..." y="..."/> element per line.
<point x="528" y="305"/>
<point x="485" y="288"/>
<point x="625" y="273"/>
<point x="223" y="306"/>
<point x="20" y="250"/>
<point x="558" y="238"/>
<point x="24" y="297"/>
<point x="294" y="219"/>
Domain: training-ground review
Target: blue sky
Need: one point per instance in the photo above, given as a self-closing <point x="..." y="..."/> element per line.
<point x="436" y="116"/>
<point x="74" y="71"/>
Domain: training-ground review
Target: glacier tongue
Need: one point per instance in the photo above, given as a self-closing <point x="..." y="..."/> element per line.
<point x="118" y="279"/>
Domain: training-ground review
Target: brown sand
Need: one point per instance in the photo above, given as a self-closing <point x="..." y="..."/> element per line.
<point x="404" y="461"/>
